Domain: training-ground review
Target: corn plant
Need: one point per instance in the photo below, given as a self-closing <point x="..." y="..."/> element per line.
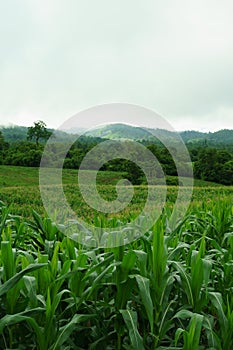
<point x="170" y="289"/>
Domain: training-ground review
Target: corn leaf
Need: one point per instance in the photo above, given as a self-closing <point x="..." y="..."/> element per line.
<point x="4" y="288"/>
<point x="130" y="318"/>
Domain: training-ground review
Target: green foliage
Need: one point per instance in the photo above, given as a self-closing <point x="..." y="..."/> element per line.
<point x="2" y="142"/>
<point x="3" y="147"/>
<point x="38" y="131"/>
<point x="167" y="290"/>
<point x="214" y="165"/>
<point x="210" y="164"/>
<point x="218" y="138"/>
<point x="227" y="173"/>
<point x="14" y="133"/>
<point x="24" y="154"/>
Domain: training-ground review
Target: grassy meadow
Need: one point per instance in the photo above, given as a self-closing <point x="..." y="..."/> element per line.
<point x="20" y="189"/>
<point x="170" y="289"/>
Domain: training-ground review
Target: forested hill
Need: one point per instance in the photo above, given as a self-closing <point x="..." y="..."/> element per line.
<point x="211" y="153"/>
<point x="116" y="131"/>
<point x="19" y="133"/>
<point x="221" y="137"/>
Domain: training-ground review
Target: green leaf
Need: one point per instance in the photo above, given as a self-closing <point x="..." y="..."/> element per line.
<point x="216" y="299"/>
<point x="30" y="285"/>
<point x="197" y="276"/>
<point x="130" y="318"/>
<point x="4" y="288"/>
<point x="128" y="260"/>
<point x="184" y="314"/>
<point x="142" y="261"/>
<point x="22" y="317"/>
<point x="68" y="329"/>
<point x="211" y="336"/>
<point x="192" y="337"/>
<point x="96" y="282"/>
<point x="178" y="333"/>
<point x="144" y="288"/>
<point x="186" y="281"/>
<point x="8" y="259"/>
<point x="39" y="221"/>
<point x="8" y="320"/>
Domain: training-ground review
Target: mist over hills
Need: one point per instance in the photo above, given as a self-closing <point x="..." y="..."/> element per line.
<point x="116" y="131"/>
<point x="123" y="131"/>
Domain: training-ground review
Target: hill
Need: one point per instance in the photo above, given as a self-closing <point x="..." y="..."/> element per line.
<point x="120" y="131"/>
<point x="123" y="131"/>
<point x="221" y="137"/>
<point x="19" y="133"/>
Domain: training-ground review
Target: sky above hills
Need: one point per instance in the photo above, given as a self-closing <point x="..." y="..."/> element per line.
<point x="172" y="56"/>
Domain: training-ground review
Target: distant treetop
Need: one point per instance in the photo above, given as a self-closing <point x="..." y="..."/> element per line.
<point x="38" y="131"/>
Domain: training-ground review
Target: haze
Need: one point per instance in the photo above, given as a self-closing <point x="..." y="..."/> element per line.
<point x="174" y="57"/>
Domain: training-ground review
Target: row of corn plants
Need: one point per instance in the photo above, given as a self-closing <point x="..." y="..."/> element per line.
<point x="171" y="289"/>
<point x="23" y="198"/>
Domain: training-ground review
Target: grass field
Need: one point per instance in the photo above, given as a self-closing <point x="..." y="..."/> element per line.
<point x="11" y="176"/>
<point x="19" y="187"/>
<point x="170" y="289"/>
<point x="16" y="176"/>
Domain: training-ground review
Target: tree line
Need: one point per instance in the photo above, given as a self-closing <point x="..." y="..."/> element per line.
<point x="209" y="163"/>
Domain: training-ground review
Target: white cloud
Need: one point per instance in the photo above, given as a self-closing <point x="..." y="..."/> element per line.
<point x="172" y="56"/>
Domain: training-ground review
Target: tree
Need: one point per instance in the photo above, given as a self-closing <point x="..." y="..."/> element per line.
<point x="227" y="173"/>
<point x="207" y="166"/>
<point x="38" y="131"/>
<point x="134" y="172"/>
<point x="3" y="148"/>
<point x="2" y="142"/>
<point x="214" y="165"/>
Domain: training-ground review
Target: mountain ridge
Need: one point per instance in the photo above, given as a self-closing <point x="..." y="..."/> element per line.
<point x="125" y="131"/>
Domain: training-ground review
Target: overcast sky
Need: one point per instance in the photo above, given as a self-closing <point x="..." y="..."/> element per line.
<point x="58" y="57"/>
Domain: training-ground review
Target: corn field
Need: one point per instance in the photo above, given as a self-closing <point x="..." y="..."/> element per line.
<point x="167" y="290"/>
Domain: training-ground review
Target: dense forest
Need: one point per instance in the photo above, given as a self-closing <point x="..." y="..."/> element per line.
<point x="211" y="154"/>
